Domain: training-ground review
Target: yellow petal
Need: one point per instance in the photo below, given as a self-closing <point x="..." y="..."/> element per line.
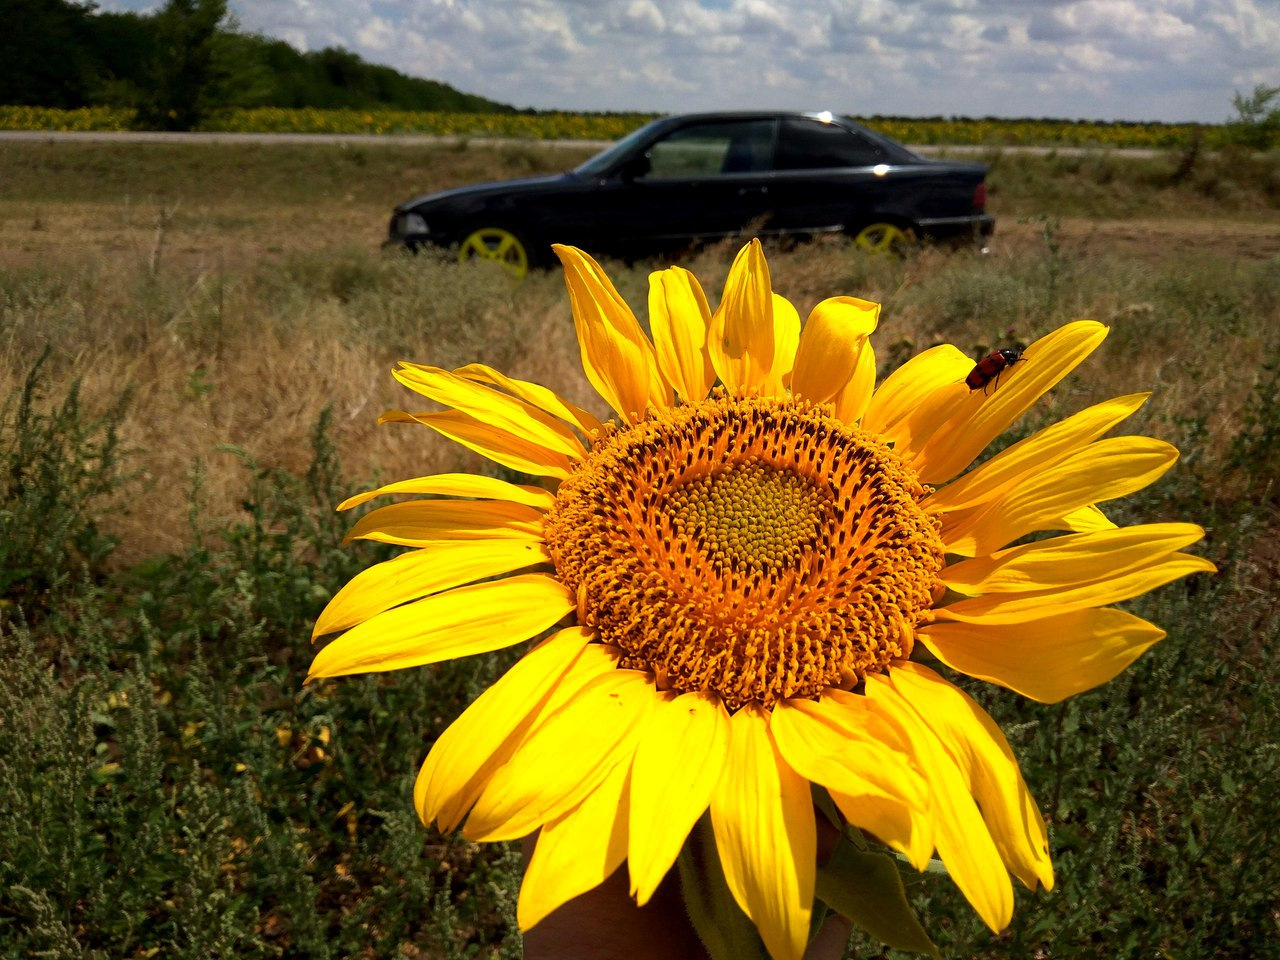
<point x="983" y="755"/>
<point x="499" y="410"/>
<point x="839" y="743"/>
<point x="616" y="355"/>
<point x="1034" y="605"/>
<point x="679" y="318"/>
<point x="741" y="341"/>
<point x="468" y="620"/>
<point x="984" y="416"/>
<point x="1088" y="519"/>
<point x="578" y="851"/>
<point x="962" y="838"/>
<point x="762" y="814"/>
<point x="510" y="450"/>
<point x="676" y="768"/>
<point x="565" y="757"/>
<point x="890" y="822"/>
<point x="460" y="485"/>
<point x="533" y="393"/>
<point x="1036" y="452"/>
<point x="830" y="346"/>
<point x="934" y="410"/>
<point x="1048" y="659"/>
<point x="851" y="402"/>
<point x="463" y="758"/>
<point x="895" y="407"/>
<point x="1064" y="562"/>
<point x="786" y="337"/>
<point x="421" y="573"/>
<point x="418" y="523"/>
<point x="1104" y="470"/>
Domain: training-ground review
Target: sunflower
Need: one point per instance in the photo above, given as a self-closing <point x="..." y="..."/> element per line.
<point x="739" y="578"/>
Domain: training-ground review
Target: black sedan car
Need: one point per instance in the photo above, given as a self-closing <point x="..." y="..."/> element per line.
<point x="684" y="180"/>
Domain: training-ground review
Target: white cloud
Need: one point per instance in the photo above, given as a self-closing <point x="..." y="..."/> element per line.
<point x="1109" y="59"/>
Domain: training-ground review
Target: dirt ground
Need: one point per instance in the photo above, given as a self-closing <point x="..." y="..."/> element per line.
<point x="1151" y="239"/>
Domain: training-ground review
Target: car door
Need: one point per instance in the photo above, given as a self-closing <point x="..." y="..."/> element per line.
<point x="826" y="175"/>
<point x="704" y="180"/>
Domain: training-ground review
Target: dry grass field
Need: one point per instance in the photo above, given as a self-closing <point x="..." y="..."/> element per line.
<point x="237" y="290"/>
<point x="230" y="322"/>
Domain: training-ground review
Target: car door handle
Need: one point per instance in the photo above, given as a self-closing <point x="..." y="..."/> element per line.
<point x="743" y="191"/>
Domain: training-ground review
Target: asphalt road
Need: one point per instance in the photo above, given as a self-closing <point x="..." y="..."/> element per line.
<point x="412" y="140"/>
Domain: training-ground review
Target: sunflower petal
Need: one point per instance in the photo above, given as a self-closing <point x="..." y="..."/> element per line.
<point x="468" y="620"/>
<point x="851" y="402"/>
<point x="830" y="346"/>
<point x="565" y="757"/>
<point x="1069" y="561"/>
<point x="963" y="841"/>
<point x="421" y="573"/>
<point x="464" y="757"/>
<point x="534" y="393"/>
<point x="983" y="417"/>
<point x="419" y="523"/>
<point x="983" y="755"/>
<point x="762" y="814"/>
<point x="1104" y="470"/>
<point x="676" y="768"/>
<point x="786" y="337"/>
<point x="890" y="822"/>
<point x="1088" y="519"/>
<point x="839" y="743"/>
<point x="997" y="608"/>
<point x="936" y="409"/>
<point x="1036" y="452"/>
<point x="460" y="485"/>
<point x="500" y="410"/>
<point x="578" y="851"/>
<point x="895" y="407"/>
<point x="1048" y="659"/>
<point x="510" y="450"/>
<point x="617" y="357"/>
<point x="741" y="341"/>
<point x="679" y="318"/>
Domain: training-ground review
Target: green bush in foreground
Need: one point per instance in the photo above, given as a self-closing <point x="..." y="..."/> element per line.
<point x="171" y="789"/>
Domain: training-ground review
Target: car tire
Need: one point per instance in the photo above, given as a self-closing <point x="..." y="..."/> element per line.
<point x="884" y="237"/>
<point x="497" y="244"/>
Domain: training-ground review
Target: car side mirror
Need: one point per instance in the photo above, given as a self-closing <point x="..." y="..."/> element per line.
<point x="633" y="168"/>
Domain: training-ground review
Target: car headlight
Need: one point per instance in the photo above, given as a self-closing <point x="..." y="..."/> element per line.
<point x="410" y="223"/>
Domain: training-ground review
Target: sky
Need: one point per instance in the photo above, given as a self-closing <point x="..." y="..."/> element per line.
<point x="1167" y="60"/>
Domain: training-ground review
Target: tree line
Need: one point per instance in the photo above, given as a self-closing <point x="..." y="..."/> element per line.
<point x="187" y="60"/>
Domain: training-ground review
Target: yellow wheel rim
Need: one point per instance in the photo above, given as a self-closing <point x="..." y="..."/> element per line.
<point x="882" y="238"/>
<point x="500" y="246"/>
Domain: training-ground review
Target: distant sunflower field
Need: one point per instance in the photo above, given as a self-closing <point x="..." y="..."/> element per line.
<point x="933" y="131"/>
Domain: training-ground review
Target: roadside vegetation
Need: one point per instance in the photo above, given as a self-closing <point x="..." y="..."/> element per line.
<point x="194" y="345"/>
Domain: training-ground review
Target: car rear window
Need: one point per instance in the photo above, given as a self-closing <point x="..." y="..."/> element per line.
<point x="805" y="144"/>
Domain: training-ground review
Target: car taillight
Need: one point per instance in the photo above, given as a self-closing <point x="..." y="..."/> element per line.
<point x="980" y="197"/>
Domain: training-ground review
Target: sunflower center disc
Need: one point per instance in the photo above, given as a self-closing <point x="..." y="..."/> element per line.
<point x="758" y="548"/>
<point x="750" y="516"/>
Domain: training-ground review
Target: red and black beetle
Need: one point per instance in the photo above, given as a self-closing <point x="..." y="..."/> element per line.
<point x="990" y="368"/>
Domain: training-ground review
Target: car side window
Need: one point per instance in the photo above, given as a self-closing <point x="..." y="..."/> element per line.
<point x="807" y="144"/>
<point x="713" y="150"/>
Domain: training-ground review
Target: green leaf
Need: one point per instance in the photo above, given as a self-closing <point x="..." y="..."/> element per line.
<point x="867" y="888"/>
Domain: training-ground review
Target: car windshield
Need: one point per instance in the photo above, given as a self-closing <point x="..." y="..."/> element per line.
<point x="612" y="154"/>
